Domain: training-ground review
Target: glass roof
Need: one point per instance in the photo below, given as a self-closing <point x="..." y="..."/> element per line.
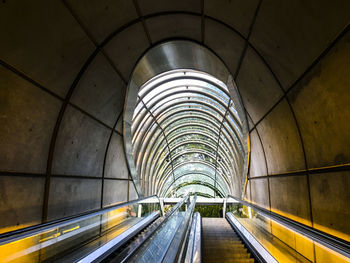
<point x="186" y="135"/>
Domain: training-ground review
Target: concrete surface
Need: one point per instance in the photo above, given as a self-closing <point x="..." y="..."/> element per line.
<point x="49" y="45"/>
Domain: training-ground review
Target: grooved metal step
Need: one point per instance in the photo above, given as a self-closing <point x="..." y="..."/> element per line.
<point x="221" y="244"/>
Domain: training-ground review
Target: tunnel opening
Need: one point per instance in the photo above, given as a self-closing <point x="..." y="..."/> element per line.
<point x="185" y="129"/>
<point x="65" y="68"/>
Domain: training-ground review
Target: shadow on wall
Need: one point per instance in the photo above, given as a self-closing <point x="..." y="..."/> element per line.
<point x="294" y="88"/>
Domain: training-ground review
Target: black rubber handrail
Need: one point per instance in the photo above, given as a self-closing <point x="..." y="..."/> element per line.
<point x="32" y="230"/>
<point x="334" y="243"/>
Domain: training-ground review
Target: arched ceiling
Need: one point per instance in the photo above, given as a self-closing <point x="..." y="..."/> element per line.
<point x="183" y="113"/>
<point x="97" y="45"/>
<point x="65" y="66"/>
<point x="163" y="148"/>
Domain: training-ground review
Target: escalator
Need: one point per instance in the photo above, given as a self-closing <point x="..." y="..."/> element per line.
<point x="140" y="231"/>
<point x="136" y="231"/>
<point x="162" y="241"/>
<point x="221" y="243"/>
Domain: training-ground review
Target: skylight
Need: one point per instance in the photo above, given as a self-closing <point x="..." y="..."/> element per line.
<point x="186" y="135"/>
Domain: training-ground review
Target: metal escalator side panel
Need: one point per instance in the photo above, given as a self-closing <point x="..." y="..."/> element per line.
<point x="259" y="252"/>
<point x="102" y="252"/>
<point x="176" y="250"/>
<point x="75" y="236"/>
<point x="135" y="250"/>
<point x="194" y="246"/>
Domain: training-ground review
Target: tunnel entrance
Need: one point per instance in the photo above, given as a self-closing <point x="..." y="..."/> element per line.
<point x="184" y="125"/>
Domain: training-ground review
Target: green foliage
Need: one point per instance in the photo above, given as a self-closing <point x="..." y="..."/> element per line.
<point x="234" y="208"/>
<point x="209" y="210"/>
<point x="149" y="208"/>
<point x="167" y="208"/>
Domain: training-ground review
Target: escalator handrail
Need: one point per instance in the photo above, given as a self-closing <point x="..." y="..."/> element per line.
<point x="180" y="235"/>
<point x="166" y="217"/>
<point x="194" y="247"/>
<point x="252" y="249"/>
<point x="32" y="230"/>
<point x="177" y="206"/>
<point x="334" y="243"/>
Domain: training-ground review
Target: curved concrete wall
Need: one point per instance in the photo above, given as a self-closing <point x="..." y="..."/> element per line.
<point x="65" y="66"/>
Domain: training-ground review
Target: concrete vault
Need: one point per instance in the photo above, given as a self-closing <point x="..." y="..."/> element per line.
<point x="64" y="71"/>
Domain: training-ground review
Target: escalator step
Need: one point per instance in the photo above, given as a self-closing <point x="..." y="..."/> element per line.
<point x="221" y="244"/>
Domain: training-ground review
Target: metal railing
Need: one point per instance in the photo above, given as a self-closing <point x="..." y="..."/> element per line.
<point x="142" y="244"/>
<point x="177" y="248"/>
<point x="32" y="230"/>
<point x="58" y="238"/>
<point x="331" y="242"/>
<point x="194" y="246"/>
<point x="169" y="238"/>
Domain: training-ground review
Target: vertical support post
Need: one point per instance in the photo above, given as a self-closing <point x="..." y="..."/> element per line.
<point x="224" y="208"/>
<point x="161" y="201"/>
<point x="139" y="210"/>
<point x="188" y="202"/>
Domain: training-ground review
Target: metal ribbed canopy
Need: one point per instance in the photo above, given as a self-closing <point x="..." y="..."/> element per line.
<point x="186" y="135"/>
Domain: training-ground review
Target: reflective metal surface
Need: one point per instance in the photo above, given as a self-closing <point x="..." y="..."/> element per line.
<point x="183" y="112"/>
<point x="257" y="221"/>
<point x="75" y="238"/>
<point x="194" y="247"/>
